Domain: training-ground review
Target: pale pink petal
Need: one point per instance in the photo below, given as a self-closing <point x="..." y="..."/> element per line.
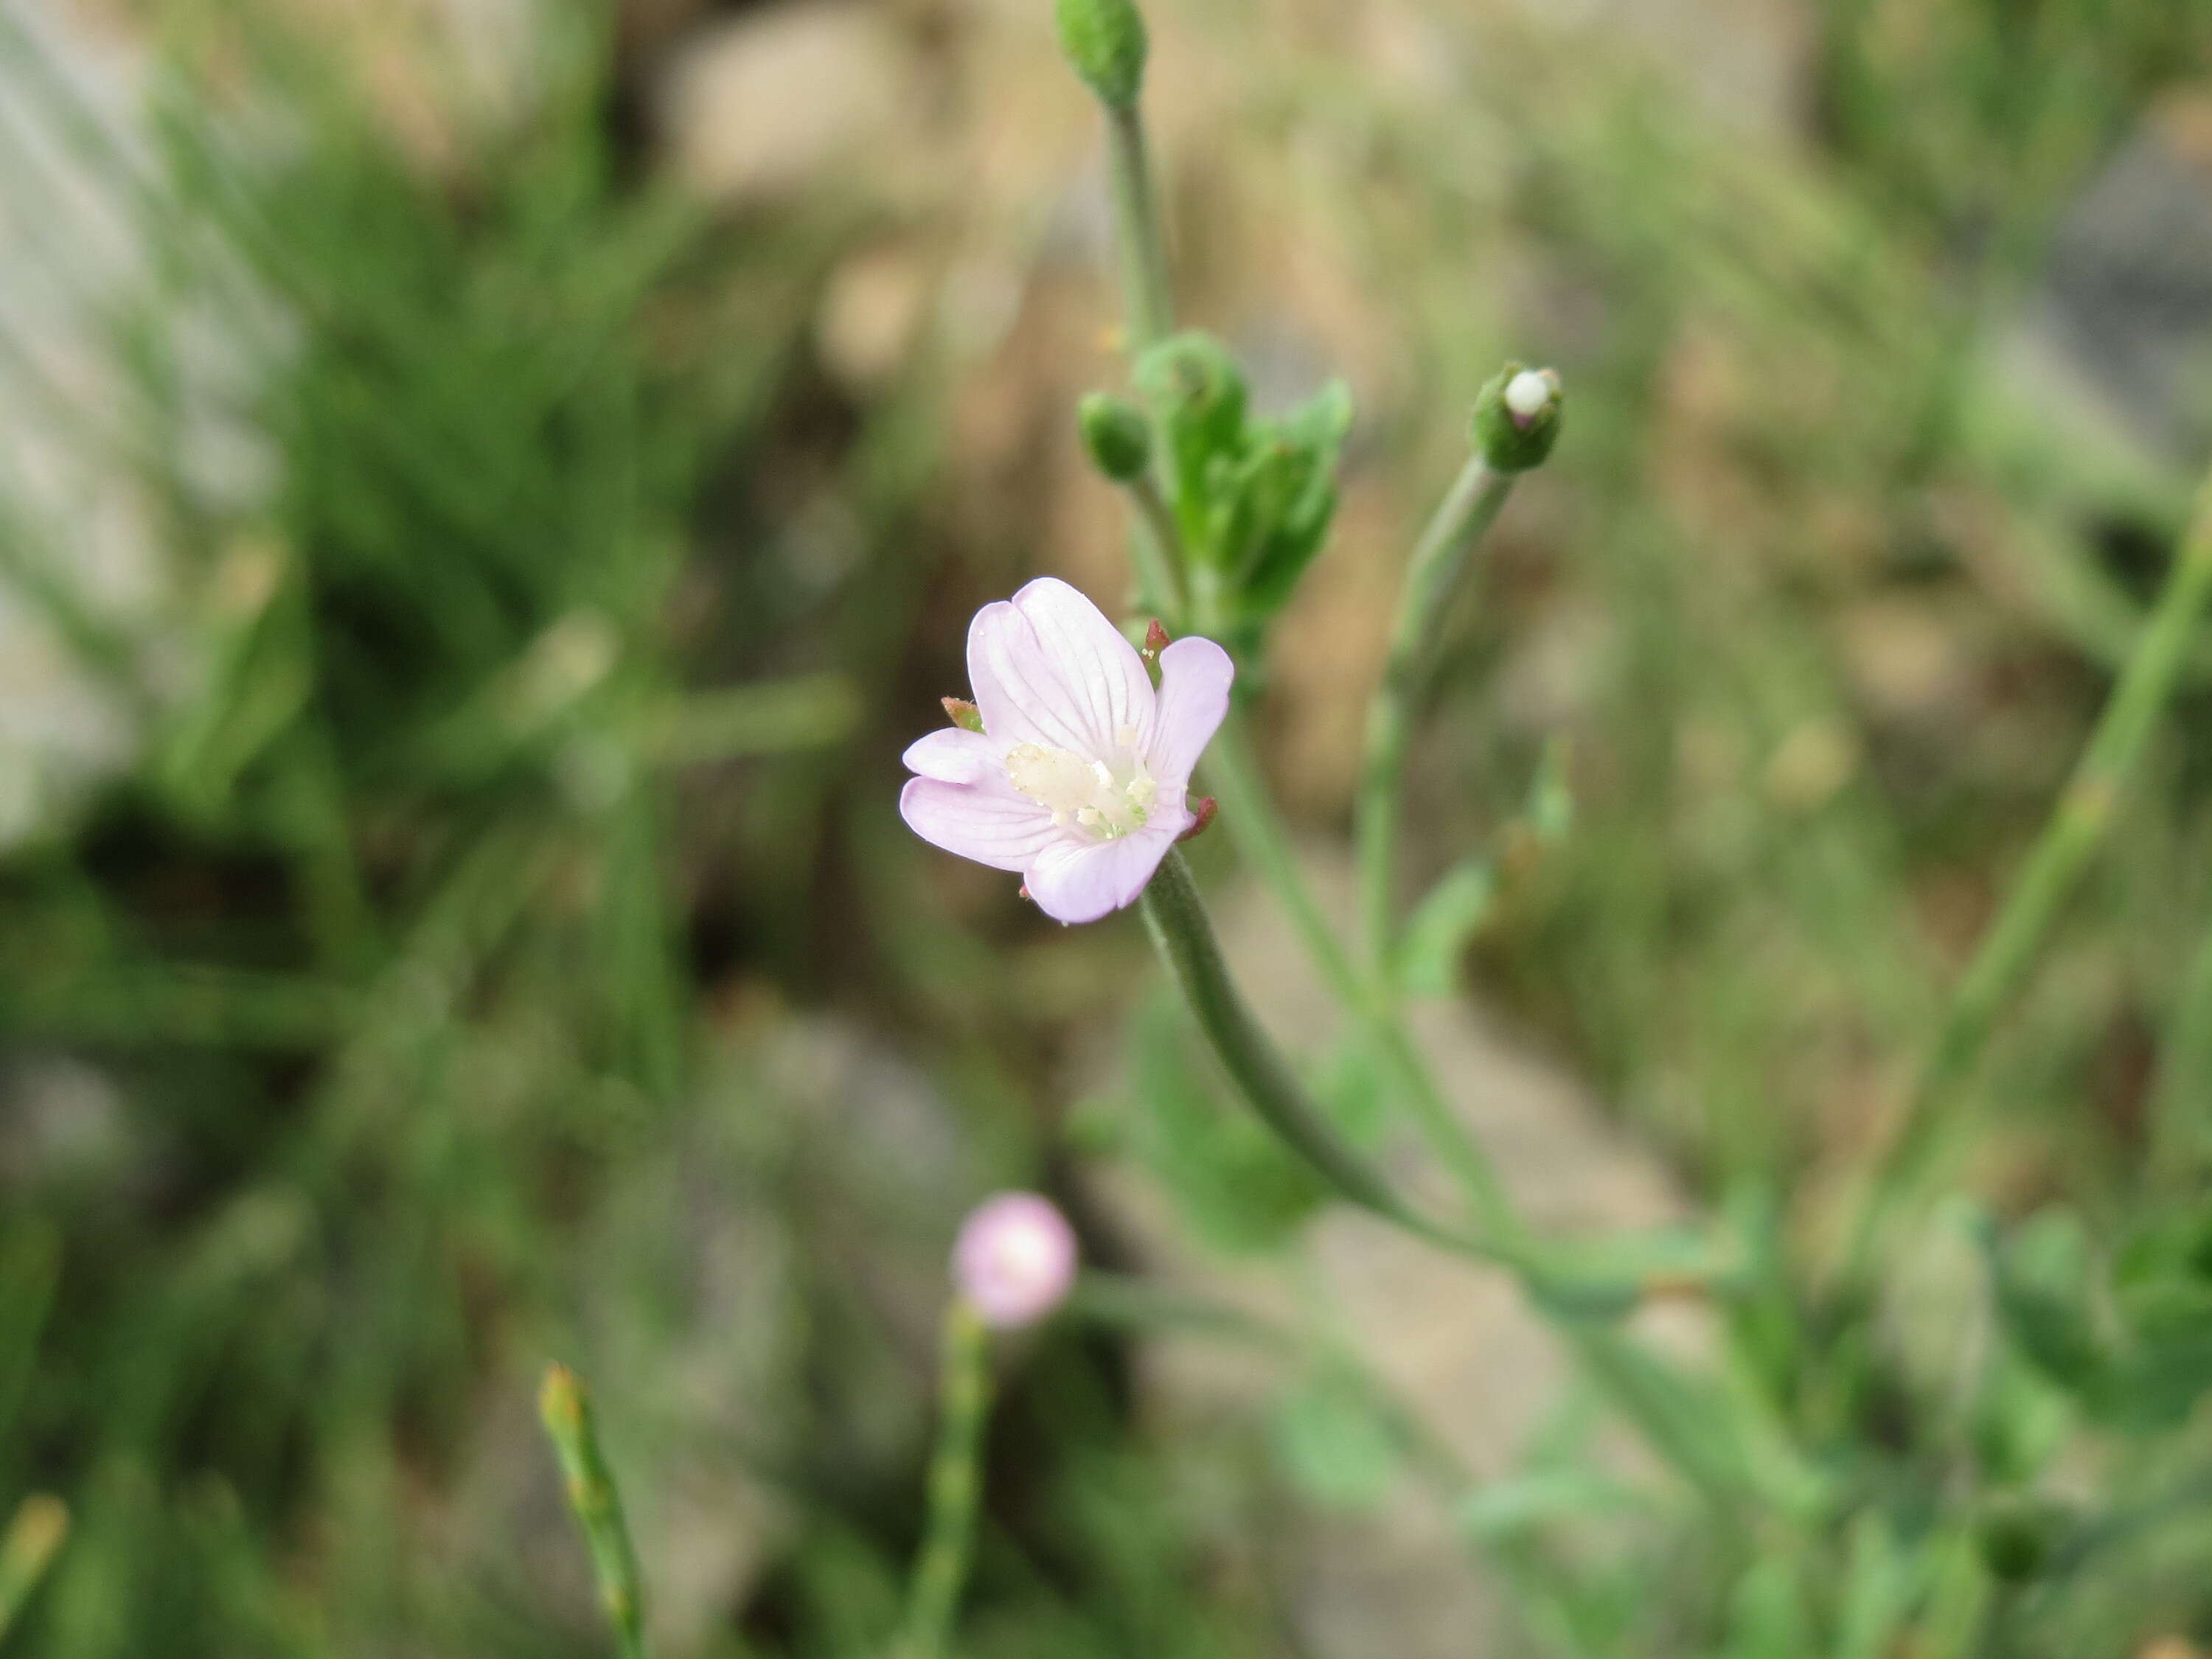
<point x="1047" y="667"/>
<point x="1194" y="677"/>
<point x="952" y="754"/>
<point x="1081" y="881"/>
<point x="1008" y="832"/>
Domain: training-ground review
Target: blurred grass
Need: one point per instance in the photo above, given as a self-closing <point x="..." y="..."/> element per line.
<point x="501" y="943"/>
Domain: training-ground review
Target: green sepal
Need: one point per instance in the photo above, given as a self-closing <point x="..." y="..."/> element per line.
<point x="1105" y="40"/>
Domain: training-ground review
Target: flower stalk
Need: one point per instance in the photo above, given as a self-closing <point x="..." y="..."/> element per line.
<point x="1460" y="521"/>
<point x="565" y="1408"/>
<point x="1176" y="918"/>
<point x="1136" y="216"/>
<point x="955" y="1483"/>
<point x="1233" y="772"/>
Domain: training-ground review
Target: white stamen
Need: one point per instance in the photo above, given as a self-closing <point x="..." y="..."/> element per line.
<point x="1089" y="794"/>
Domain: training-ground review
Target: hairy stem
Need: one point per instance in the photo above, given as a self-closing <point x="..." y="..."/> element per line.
<point x="1457" y="524"/>
<point x="2072" y="834"/>
<point x="955" y="1483"/>
<point x="566" y="1410"/>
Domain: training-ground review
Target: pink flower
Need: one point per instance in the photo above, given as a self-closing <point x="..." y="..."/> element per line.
<point x="1015" y="1259"/>
<point x="1077" y="778"/>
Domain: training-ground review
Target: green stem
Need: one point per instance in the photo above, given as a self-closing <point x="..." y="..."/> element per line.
<point x="955" y="1483"/>
<point x="566" y="1410"/>
<point x="1158" y="552"/>
<point x="1232" y="772"/>
<point x="2074" y="832"/>
<point x="1180" y="926"/>
<point x="1145" y="292"/>
<point x="1460" y="521"/>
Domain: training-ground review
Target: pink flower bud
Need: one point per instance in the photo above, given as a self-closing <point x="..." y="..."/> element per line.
<point x="1015" y="1259"/>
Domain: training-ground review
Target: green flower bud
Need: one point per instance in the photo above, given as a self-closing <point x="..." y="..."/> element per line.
<point x="1117" y="434"/>
<point x="1516" y="417"/>
<point x="1105" y="41"/>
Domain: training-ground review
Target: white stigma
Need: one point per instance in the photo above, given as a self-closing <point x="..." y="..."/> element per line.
<point x="1528" y="393"/>
<point x="1087" y="794"/>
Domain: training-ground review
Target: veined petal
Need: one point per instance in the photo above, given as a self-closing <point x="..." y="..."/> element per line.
<point x="1006" y="831"/>
<point x="1047" y="667"/>
<point x="1194" y="678"/>
<point x="953" y="756"/>
<point x="1076" y="881"/>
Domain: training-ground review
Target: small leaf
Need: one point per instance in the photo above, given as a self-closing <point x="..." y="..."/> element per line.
<point x="1506" y="1511"/>
<point x="1333" y="1445"/>
<point x="1194" y="387"/>
<point x="1441" y="927"/>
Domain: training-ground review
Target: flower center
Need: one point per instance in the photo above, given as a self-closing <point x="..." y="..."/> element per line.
<point x="1106" y="801"/>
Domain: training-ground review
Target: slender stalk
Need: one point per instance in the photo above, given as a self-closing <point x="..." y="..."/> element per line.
<point x="1233" y="773"/>
<point x="34" y="1538"/>
<point x="1158" y="552"/>
<point x="1144" y="290"/>
<point x="1176" y="918"/>
<point x="955" y="1483"/>
<point x="566" y="1410"/>
<point x="2074" y="832"/>
<point x="1459" y="522"/>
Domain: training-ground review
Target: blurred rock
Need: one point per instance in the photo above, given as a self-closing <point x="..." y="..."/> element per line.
<point x="2120" y="330"/>
<point x="871" y="314"/>
<point x="762" y="104"/>
<point x="82" y="520"/>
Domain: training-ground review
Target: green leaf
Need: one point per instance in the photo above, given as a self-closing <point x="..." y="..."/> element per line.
<point x="1437" y="935"/>
<point x="2041" y="1283"/>
<point x="1332" y="1445"/>
<point x="1197" y="393"/>
<point x="1289" y="498"/>
<point x="1506" y="1510"/>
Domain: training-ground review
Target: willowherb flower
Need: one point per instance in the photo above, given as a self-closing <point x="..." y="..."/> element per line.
<point x="1015" y="1259"/>
<point x="1078" y="779"/>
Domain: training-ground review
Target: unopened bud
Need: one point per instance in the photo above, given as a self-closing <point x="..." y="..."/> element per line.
<point x="1201" y="816"/>
<point x="1015" y="1259"/>
<point x="1117" y="435"/>
<point x="1516" y="417"/>
<point x="963" y="713"/>
<point x="1105" y="41"/>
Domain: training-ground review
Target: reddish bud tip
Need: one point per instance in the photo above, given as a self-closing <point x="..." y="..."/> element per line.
<point x="963" y="713"/>
<point x="1156" y="639"/>
<point x="1201" y="816"/>
<point x="1023" y="893"/>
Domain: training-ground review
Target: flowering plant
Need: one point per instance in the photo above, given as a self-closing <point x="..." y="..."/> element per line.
<point x="1074" y="767"/>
